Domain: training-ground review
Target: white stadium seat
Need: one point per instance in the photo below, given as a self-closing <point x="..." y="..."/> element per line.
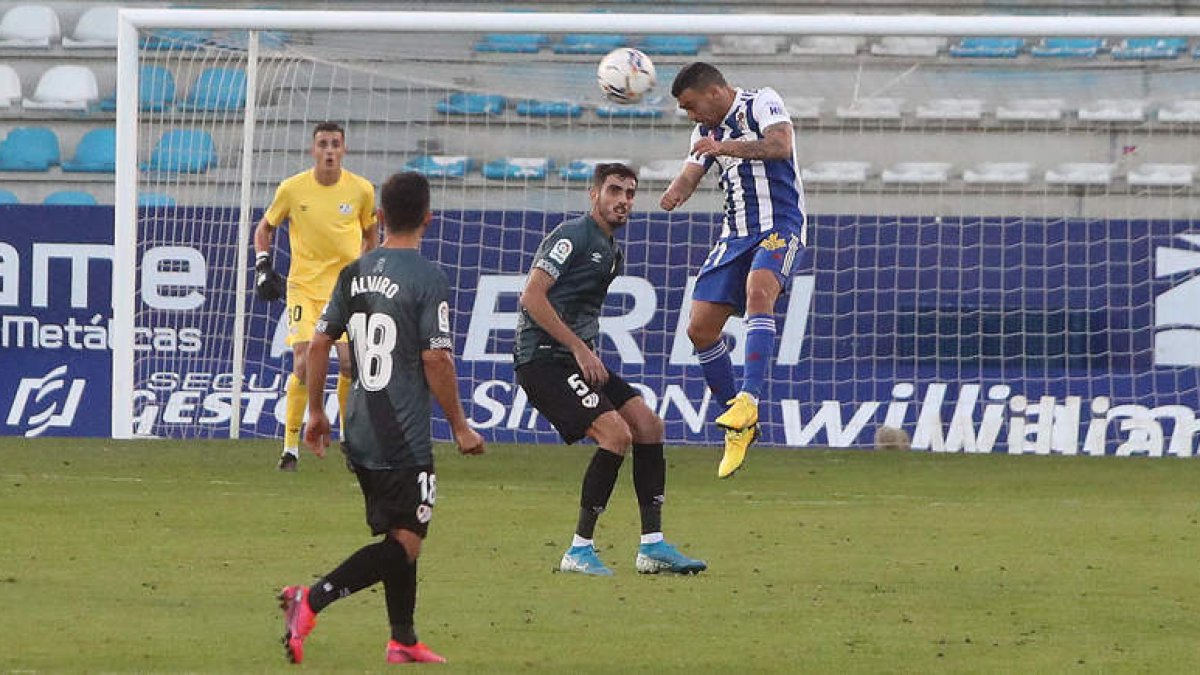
<point x="97" y="27"/>
<point x="999" y="173"/>
<point x="1162" y="175"/>
<point x="29" y="26"/>
<point x="951" y="109"/>
<point x="804" y="108"/>
<point x="1114" y="110"/>
<point x="660" y="170"/>
<point x="10" y="86"/>
<point x="747" y="44"/>
<point x="1081" y="173"/>
<point x="827" y="45"/>
<point x="1180" y="111"/>
<point x="836" y="172"/>
<point x="917" y="172"/>
<point x="65" y="87"/>
<point x="909" y="46"/>
<point x="1031" y="110"/>
<point x="871" y="109"/>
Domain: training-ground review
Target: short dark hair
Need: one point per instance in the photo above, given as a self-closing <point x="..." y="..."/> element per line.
<point x="328" y="126"/>
<point x="603" y="171"/>
<point x="404" y="199"/>
<point x="697" y="75"/>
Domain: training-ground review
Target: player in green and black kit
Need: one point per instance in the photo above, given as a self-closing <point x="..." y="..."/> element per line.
<point x="569" y="385"/>
<point x="395" y="305"/>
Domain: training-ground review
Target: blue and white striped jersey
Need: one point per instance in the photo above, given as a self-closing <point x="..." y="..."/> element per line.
<point x="760" y="194"/>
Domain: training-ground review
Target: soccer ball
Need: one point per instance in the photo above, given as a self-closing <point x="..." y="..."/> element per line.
<point x="625" y="75"/>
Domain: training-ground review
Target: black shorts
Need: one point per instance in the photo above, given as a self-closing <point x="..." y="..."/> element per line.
<point x="558" y="391"/>
<point x="398" y="498"/>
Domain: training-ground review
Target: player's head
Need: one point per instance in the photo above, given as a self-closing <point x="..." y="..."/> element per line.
<point x="404" y="202"/>
<point x="328" y="146"/>
<point x="613" y="189"/>
<point x="702" y="93"/>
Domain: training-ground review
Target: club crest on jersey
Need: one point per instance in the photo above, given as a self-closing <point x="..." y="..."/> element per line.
<point x="743" y="125"/>
<point x="345" y="209"/>
<point x="773" y="242"/>
<point x="561" y="251"/>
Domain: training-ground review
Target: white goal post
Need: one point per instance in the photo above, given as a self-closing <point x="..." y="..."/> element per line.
<point x="134" y="23"/>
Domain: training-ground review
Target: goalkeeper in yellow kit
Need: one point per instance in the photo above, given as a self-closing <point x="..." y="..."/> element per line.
<point x="331" y="221"/>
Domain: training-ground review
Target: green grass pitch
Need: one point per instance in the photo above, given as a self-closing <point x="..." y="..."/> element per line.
<point x="165" y="556"/>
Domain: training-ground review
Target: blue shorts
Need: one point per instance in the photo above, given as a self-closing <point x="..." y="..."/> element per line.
<point x="722" y="279"/>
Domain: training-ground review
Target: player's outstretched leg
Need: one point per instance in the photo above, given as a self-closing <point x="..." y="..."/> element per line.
<point x="742" y="413"/>
<point x="583" y="559"/>
<point x="736" y="444"/>
<point x="663" y="557"/>
<point x="298" y="620"/>
<point x="414" y="653"/>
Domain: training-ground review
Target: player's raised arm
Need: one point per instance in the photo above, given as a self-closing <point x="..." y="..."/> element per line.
<point x="682" y="187"/>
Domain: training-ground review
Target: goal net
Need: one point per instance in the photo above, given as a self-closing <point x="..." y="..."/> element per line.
<point x="1002" y="237"/>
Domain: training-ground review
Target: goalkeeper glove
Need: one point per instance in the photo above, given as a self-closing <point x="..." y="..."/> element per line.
<point x="268" y="284"/>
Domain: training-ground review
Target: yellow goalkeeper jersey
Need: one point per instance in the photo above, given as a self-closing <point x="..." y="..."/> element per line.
<point x="326" y="226"/>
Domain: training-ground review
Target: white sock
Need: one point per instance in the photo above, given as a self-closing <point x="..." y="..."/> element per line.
<point x="294" y="452"/>
<point x="652" y="538"/>
<point x="580" y="541"/>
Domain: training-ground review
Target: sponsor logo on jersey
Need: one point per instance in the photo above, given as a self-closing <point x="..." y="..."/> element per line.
<point x="345" y="209"/>
<point x="560" y="251"/>
<point x="597" y="256"/>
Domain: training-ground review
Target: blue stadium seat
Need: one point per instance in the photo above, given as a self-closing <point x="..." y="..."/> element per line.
<point x="532" y="108"/>
<point x="7" y="197"/>
<point x="628" y="111"/>
<point x="155" y="200"/>
<point x="183" y="151"/>
<point x="472" y="104"/>
<point x="168" y="39"/>
<point x="1146" y="49"/>
<point x="677" y="45"/>
<point x="523" y="168"/>
<point x="216" y="89"/>
<point x="988" y="47"/>
<point x="96" y="153"/>
<point x="156" y="90"/>
<point x="29" y="149"/>
<point x="1061" y="47"/>
<point x="69" y="198"/>
<point x="512" y="43"/>
<point x="441" y="166"/>
<point x="589" y="43"/>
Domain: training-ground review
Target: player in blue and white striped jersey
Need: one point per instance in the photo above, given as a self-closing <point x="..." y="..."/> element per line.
<point x="747" y="135"/>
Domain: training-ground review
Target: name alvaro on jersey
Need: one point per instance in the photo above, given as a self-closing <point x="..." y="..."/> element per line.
<point x="374" y="284"/>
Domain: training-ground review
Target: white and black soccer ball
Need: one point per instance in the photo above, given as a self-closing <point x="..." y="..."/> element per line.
<point x="625" y="75"/>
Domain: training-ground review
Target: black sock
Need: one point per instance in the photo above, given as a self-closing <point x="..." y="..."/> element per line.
<point x="649" y="481"/>
<point x="598" y="483"/>
<point x="400" y="591"/>
<point x="360" y="570"/>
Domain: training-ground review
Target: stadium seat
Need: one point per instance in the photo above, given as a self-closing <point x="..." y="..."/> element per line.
<point x="516" y="43"/>
<point x="1162" y="175"/>
<point x="441" y="166"/>
<point x="472" y="104"/>
<point x="1081" y="173"/>
<point x="913" y="173"/>
<point x="10" y="86"/>
<point x="589" y="43"/>
<point x="97" y="27"/>
<point x="672" y="45"/>
<point x="1114" y="110"/>
<point x="908" y="46"/>
<point x="155" y="200"/>
<point x="1061" y="47"/>
<point x="1187" y="110"/>
<point x="582" y="169"/>
<point x="96" y="153"/>
<point x="64" y="88"/>
<point x="511" y="168"/>
<point x="871" y="109"/>
<point x="988" y="47"/>
<point x="998" y="173"/>
<point x="1147" y="49"/>
<point x="951" y="109"/>
<point x="836" y="172"/>
<point x="29" y="26"/>
<point x="660" y="170"/>
<point x="216" y="89"/>
<point x="804" y="108"/>
<point x="70" y="198"/>
<point x="747" y="45"/>
<point x="156" y="90"/>
<point x="172" y="38"/>
<point x="182" y="151"/>
<point x="7" y="197"/>
<point x="1031" y="110"/>
<point x="628" y="111"/>
<point x="827" y="45"/>
<point x="29" y="149"/>
<point x="533" y="108"/>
